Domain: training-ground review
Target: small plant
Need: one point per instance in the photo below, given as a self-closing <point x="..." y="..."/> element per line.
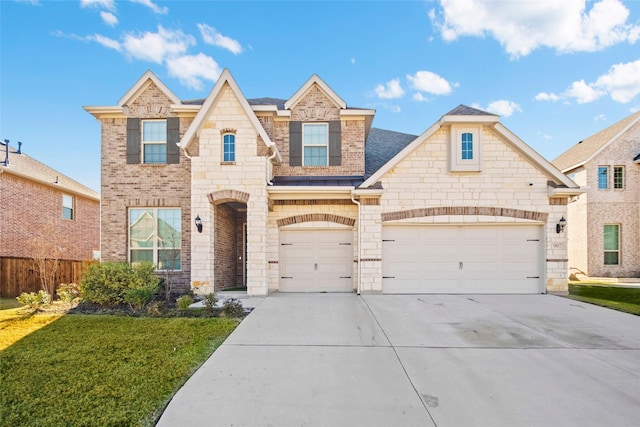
<point x="184" y="302"/>
<point x="138" y="298"/>
<point x="34" y="300"/>
<point x="68" y="292"/>
<point x="210" y="301"/>
<point x="232" y="308"/>
<point x="155" y="309"/>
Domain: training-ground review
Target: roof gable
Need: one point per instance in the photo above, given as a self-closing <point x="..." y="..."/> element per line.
<point x="466" y="114"/>
<point x="209" y="103"/>
<point x="588" y="148"/>
<point x="143" y="82"/>
<point x="315" y="79"/>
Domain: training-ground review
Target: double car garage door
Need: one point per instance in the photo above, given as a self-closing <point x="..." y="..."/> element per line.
<point x="419" y="259"/>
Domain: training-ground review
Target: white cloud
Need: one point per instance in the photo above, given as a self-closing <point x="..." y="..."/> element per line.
<point x="192" y="69"/>
<point x="154" y="7"/>
<point x="524" y="26"/>
<point x="544" y="96"/>
<point x="418" y="96"/>
<point x="31" y="2"/>
<point x="102" y="4"/>
<point x="599" y="117"/>
<point x="353" y="60"/>
<point x="390" y="90"/>
<point x="211" y="36"/>
<point x="503" y="107"/>
<point x="426" y="81"/>
<point x="109" y="18"/>
<point x="106" y="42"/>
<point x="622" y="82"/>
<point x="155" y="47"/>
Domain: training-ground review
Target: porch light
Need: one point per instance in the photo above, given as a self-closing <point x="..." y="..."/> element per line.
<point x="560" y="225"/>
<point x="199" y="224"/>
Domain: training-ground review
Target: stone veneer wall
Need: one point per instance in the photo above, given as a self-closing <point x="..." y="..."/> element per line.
<point x="141" y="185"/>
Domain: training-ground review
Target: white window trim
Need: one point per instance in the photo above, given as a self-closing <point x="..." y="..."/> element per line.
<point x="155" y="248"/>
<point x="72" y="207"/>
<point x="456" y="163"/>
<point x="613" y="178"/>
<point x="605" y="251"/>
<point x="326" y="125"/>
<point x="143" y="142"/>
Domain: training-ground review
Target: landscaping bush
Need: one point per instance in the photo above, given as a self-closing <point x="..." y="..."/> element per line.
<point x="138" y="298"/>
<point x="67" y="292"/>
<point x="184" y="302"/>
<point x="34" y="300"/>
<point x="210" y="301"/>
<point x="108" y="283"/>
<point x="232" y="308"/>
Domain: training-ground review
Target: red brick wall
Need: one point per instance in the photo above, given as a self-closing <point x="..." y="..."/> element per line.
<point x="31" y="222"/>
<point x="225" y="267"/>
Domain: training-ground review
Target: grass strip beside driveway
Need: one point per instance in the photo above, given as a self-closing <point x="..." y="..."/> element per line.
<point x="619" y="298"/>
<point x="97" y="370"/>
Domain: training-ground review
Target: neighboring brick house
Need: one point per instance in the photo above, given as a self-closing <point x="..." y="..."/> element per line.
<point x="303" y="195"/>
<point x="604" y="231"/>
<point x="44" y="212"/>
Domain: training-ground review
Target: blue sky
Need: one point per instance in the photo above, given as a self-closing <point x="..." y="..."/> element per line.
<point x="556" y="71"/>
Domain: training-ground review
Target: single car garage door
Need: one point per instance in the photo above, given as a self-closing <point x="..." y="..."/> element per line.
<point x="316" y="261"/>
<point x="462" y="259"/>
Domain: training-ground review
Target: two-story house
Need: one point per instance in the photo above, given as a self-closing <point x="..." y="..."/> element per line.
<point x="304" y="195"/>
<point x="604" y="237"/>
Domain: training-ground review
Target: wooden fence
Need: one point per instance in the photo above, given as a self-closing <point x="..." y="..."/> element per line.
<point x="18" y="275"/>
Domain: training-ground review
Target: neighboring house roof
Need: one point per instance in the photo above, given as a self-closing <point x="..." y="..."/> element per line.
<point x="463" y="113"/>
<point x="586" y="149"/>
<point x="381" y="146"/>
<point x="27" y="167"/>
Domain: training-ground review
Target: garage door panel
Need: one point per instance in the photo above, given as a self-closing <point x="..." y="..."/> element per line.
<point x="462" y="259"/>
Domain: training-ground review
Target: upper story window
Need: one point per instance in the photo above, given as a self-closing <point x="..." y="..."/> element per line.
<point x="155" y="235"/>
<point x="153" y="141"/>
<point x="465" y="147"/>
<point x="228" y="147"/>
<point x="618" y="177"/>
<point x="603" y="177"/>
<point x="67" y="207"/>
<point x="315" y="142"/>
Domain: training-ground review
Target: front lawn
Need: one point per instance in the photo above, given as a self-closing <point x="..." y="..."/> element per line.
<point x="619" y="298"/>
<point x="101" y="370"/>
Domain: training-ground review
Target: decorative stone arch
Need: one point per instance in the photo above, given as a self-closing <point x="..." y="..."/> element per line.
<point x="226" y="196"/>
<point x="297" y="219"/>
<point x="465" y="210"/>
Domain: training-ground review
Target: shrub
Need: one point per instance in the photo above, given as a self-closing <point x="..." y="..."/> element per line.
<point x="108" y="283"/>
<point x="155" y="308"/>
<point x="232" y="308"/>
<point x="184" y="302"/>
<point x="210" y="301"/>
<point x="68" y="292"/>
<point x="138" y="298"/>
<point x="34" y="300"/>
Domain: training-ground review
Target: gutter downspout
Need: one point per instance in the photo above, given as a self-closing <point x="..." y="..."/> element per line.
<point x="186" y="153"/>
<point x="359" y="286"/>
<point x="271" y="157"/>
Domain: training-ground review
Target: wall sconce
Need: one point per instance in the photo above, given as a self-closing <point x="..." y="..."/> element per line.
<point x="560" y="225"/>
<point x="199" y="224"/>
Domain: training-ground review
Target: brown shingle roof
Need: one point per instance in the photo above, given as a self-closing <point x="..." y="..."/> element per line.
<point x="583" y="150"/>
<point x="29" y="168"/>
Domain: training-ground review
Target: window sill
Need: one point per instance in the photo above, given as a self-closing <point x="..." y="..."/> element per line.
<point x="227" y="163"/>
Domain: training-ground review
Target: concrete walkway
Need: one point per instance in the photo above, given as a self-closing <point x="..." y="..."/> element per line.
<point x="419" y="360"/>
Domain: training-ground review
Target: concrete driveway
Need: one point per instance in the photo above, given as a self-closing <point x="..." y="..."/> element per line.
<point x="419" y="360"/>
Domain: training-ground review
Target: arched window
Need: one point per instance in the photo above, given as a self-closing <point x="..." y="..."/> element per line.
<point x="229" y="147"/>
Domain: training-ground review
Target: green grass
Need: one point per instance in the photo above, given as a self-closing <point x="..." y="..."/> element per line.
<point x="7" y="303"/>
<point x="618" y="298"/>
<point x="99" y="370"/>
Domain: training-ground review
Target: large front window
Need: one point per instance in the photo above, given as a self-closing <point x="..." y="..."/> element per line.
<point x="315" y="140"/>
<point x="611" y="244"/>
<point x="155" y="235"/>
<point x="154" y="141"/>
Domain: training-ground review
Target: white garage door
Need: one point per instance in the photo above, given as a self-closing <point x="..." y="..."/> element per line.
<point x="462" y="259"/>
<point x="316" y="261"/>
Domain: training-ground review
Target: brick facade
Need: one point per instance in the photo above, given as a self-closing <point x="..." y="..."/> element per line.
<point x="32" y="222"/>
